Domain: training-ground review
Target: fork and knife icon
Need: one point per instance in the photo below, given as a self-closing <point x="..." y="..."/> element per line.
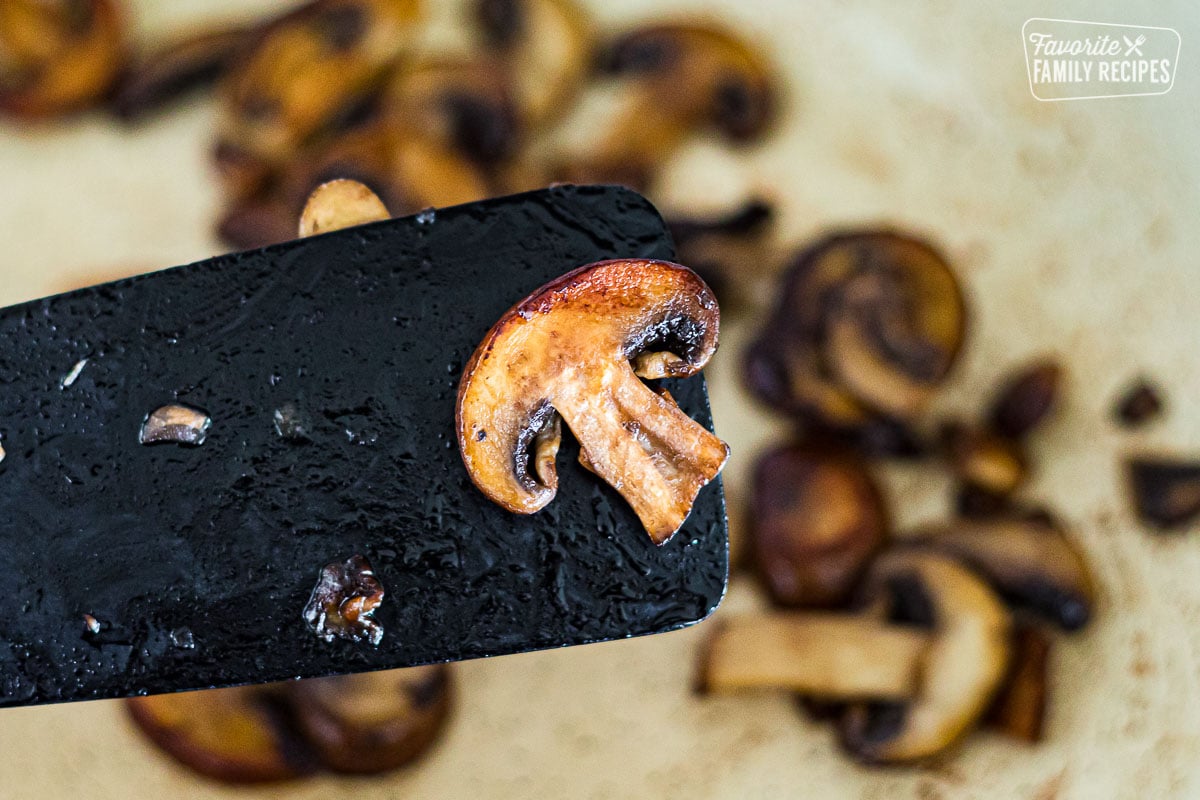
<point x="1132" y="46"/>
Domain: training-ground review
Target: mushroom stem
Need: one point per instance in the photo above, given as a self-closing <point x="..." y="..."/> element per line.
<point x="831" y="656"/>
<point x="626" y="429"/>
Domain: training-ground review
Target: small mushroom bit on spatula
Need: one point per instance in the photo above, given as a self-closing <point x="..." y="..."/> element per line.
<point x="576" y="351"/>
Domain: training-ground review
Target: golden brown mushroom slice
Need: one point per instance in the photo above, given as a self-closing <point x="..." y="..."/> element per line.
<point x="896" y="322"/>
<point x="545" y="48"/>
<point x="1032" y="563"/>
<point x="961" y="671"/>
<point x="307" y="70"/>
<point x="373" y="722"/>
<point x="58" y="56"/>
<point x="232" y="735"/>
<point x="682" y="78"/>
<point x="1019" y="710"/>
<point x="919" y="664"/>
<point x="984" y="460"/>
<point x="574" y="350"/>
<point x="818" y="520"/>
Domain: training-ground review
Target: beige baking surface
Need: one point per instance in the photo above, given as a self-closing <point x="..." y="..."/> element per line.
<point x="1076" y="229"/>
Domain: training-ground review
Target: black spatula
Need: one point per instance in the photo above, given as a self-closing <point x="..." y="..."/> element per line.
<point x="129" y="569"/>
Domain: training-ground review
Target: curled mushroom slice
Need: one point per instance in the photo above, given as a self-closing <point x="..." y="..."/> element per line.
<point x="176" y="424"/>
<point x="544" y="46"/>
<point x="1031" y="563"/>
<point x="1166" y="490"/>
<point x="566" y="350"/>
<point x="58" y="56"/>
<point x="372" y="722"/>
<point x="818" y="519"/>
<point x="306" y="71"/>
<point x="895" y="324"/>
<point x="233" y="735"/>
<point x="1026" y="399"/>
<point x="343" y="602"/>
<point x="465" y="104"/>
<point x="677" y="79"/>
<point x="960" y="672"/>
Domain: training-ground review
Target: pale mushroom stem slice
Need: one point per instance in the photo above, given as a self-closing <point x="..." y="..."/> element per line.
<point x="830" y="656"/>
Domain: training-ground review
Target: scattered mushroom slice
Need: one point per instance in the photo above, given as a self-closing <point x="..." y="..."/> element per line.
<point x="818" y="520"/>
<point x="682" y="78"/>
<point x="58" y="56"/>
<point x="1026" y="399"/>
<point x="464" y="104"/>
<point x="784" y="371"/>
<point x="1166" y="490"/>
<point x="984" y="459"/>
<point x="545" y="47"/>
<point x="1019" y="710"/>
<point x="176" y="424"/>
<point x="566" y="350"/>
<point x="372" y="722"/>
<point x="727" y="249"/>
<point x="1029" y="562"/>
<point x="232" y="735"/>
<point x="966" y="660"/>
<point x="163" y="74"/>
<point x="829" y="656"/>
<point x="307" y="69"/>
<point x="895" y="325"/>
<point x="1141" y="403"/>
<point x="340" y="204"/>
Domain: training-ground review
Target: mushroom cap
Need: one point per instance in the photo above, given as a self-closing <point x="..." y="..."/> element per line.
<point x="58" y="57"/>
<point x="963" y="667"/>
<point x="1032" y="563"/>
<point x="567" y="350"/>
<point x="818" y="520"/>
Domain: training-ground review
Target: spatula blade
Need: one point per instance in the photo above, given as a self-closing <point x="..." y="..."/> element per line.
<point x="130" y="569"/>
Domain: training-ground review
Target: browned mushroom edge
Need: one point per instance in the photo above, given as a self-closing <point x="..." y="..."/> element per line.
<point x="576" y="349"/>
<point x="57" y="58"/>
<point x="1033" y="564"/>
<point x="1165" y="490"/>
<point x="818" y="520"/>
<point x="1019" y="709"/>
<point x="703" y="77"/>
<point x="1138" y="404"/>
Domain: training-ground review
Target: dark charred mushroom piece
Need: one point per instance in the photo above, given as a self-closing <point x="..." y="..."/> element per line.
<point x="576" y="348"/>
<point x="303" y="74"/>
<point x="685" y="78"/>
<point x="1031" y="563"/>
<point x="818" y="520"/>
<point x="240" y="735"/>
<point x="343" y="602"/>
<point x="1141" y="403"/>
<point x="983" y="459"/>
<point x="58" y="56"/>
<point x="1019" y="710"/>
<point x="1166" y="491"/>
<point x="1026" y="399"/>
<point x="371" y="723"/>
<point x="166" y="73"/>
<point x="960" y="673"/>
<point x="543" y="47"/>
